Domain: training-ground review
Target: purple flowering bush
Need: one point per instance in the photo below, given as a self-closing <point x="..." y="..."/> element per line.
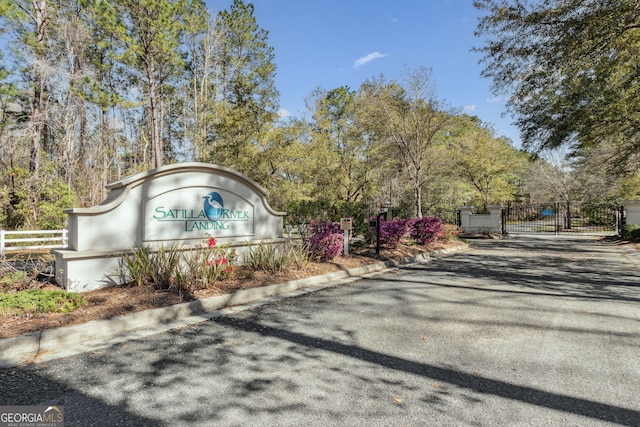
<point x="326" y="241"/>
<point x="426" y="230"/>
<point x="390" y="231"/>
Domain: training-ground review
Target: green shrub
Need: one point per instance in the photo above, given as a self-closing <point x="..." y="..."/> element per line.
<point x="38" y="301"/>
<point x="358" y="212"/>
<point x="35" y="202"/>
<point x="631" y="232"/>
<point x="53" y="200"/>
<point x="302" y="212"/>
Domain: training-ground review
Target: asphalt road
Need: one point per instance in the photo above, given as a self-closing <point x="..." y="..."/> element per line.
<point x="523" y="331"/>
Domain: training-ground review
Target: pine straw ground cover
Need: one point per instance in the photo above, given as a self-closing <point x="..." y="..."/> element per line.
<point x="117" y="301"/>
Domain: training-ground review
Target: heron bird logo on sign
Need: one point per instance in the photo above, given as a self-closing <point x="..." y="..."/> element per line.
<point x="213" y="206"/>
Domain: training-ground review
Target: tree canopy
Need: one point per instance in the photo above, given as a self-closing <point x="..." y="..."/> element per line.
<point x="489" y="164"/>
<point x="408" y="118"/>
<point x="570" y="68"/>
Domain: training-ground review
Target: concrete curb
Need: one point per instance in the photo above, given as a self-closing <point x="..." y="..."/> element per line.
<point x="55" y="343"/>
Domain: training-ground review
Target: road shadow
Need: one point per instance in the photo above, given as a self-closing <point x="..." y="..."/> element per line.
<point x="567" y="268"/>
<point x="543" y="399"/>
<point x="29" y="386"/>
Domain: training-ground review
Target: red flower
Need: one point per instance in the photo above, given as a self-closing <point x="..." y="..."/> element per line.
<point x="208" y="263"/>
<point x="212" y="243"/>
<point x="220" y="261"/>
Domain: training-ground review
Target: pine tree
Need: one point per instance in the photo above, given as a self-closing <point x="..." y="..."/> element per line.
<point x="248" y="97"/>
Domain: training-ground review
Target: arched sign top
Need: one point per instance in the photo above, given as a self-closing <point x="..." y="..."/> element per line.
<point x="219" y="175"/>
<point x="181" y="202"/>
<point x="179" y="168"/>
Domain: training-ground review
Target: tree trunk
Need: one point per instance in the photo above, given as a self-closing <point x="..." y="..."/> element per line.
<point x="40" y="23"/>
<point x="156" y="143"/>
<point x="417" y="190"/>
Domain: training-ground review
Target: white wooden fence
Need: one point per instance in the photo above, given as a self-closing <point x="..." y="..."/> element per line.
<point x="32" y="236"/>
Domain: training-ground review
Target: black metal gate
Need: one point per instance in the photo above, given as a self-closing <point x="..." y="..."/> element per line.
<point x="556" y="218"/>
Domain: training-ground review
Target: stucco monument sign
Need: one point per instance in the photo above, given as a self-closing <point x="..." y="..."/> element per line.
<point x="178" y="204"/>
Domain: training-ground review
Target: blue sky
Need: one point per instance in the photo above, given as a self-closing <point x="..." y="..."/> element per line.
<point x="331" y="43"/>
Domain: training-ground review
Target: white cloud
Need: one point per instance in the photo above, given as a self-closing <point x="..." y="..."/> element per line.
<point x="494" y="100"/>
<point x="368" y="58"/>
<point x="469" y="108"/>
<point x="394" y="20"/>
<point x="284" y="113"/>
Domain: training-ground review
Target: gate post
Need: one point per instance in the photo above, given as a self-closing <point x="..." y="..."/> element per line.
<point x="465" y="220"/>
<point x="631" y="212"/>
<point x="496" y="217"/>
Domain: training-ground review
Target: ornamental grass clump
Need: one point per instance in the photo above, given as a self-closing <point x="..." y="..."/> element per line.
<point x="276" y="257"/>
<point x="426" y="230"/>
<point x="326" y="241"/>
<point x="159" y="269"/>
<point x="177" y="269"/>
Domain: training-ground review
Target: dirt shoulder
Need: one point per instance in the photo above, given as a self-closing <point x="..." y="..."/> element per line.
<point x="121" y="300"/>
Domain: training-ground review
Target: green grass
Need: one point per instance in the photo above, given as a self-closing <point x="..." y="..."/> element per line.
<point x="38" y="301"/>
